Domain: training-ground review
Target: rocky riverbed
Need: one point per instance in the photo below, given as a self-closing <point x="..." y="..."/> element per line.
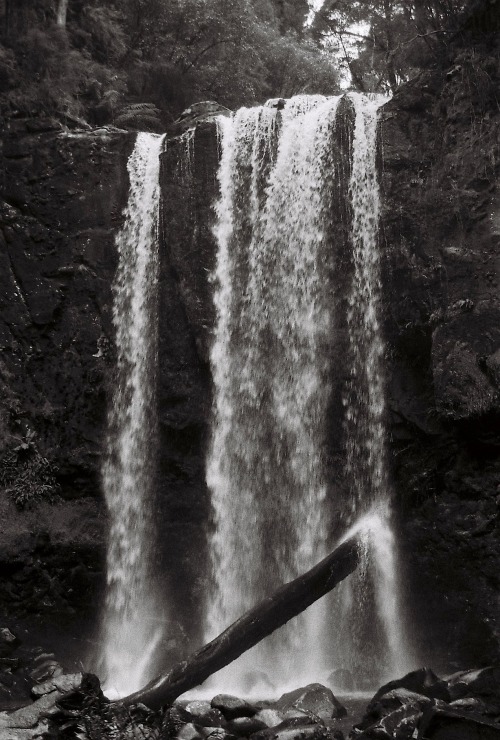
<point x="41" y="700"/>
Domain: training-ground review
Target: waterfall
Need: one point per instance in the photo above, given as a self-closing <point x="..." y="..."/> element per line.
<point x="273" y="378"/>
<point x="371" y="636"/>
<point x="62" y="12"/>
<point x="130" y="626"/>
<point x="270" y="370"/>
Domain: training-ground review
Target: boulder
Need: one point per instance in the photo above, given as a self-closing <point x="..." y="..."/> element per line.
<point x="215" y="733"/>
<point x="232" y="706"/>
<point x="246" y="726"/>
<point x="314" y="699"/>
<point x="30" y="716"/>
<point x="480" y="682"/>
<point x="174" y="719"/>
<point x="391" y="702"/>
<point x="400" y="724"/>
<point x="64" y="683"/>
<point x="204" y="714"/>
<point x="8" y="642"/>
<point x="423" y="681"/>
<point x="440" y="723"/>
<point x="294" y="720"/>
<point x="189" y="731"/>
<point x="45" y="670"/>
<point x="197" y="113"/>
<point x="486" y="707"/>
<point x="198" y="707"/>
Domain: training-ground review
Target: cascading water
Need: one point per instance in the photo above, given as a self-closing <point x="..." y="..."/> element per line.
<point x="273" y="379"/>
<point x="370" y="637"/>
<point x="130" y="627"/>
<point x="271" y="386"/>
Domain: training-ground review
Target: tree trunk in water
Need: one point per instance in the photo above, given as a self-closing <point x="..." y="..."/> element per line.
<point x="287" y="602"/>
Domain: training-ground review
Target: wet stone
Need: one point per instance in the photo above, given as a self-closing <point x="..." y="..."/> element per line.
<point x="198" y="708"/>
<point x="232" y="706"/>
<point x="66" y="682"/>
<point x="391" y="702"/>
<point x="245" y="726"/>
<point x="482" y="682"/>
<point x="314" y="699"/>
<point x="446" y="724"/>
<point x="423" y="681"/>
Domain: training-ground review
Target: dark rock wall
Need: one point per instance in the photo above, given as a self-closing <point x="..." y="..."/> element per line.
<point x="440" y="239"/>
<point x="188" y="180"/>
<point x="61" y="200"/>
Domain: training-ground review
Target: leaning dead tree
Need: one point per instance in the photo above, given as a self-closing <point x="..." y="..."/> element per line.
<point x="287" y="602"/>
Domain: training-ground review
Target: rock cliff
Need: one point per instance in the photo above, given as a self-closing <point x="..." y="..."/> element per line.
<point x="61" y="199"/>
<point x="439" y="141"/>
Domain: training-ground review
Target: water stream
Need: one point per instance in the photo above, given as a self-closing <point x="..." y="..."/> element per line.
<point x="279" y="285"/>
<point x="273" y="378"/>
<point x="131" y="628"/>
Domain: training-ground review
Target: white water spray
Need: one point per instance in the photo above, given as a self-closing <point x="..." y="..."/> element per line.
<point x="271" y="382"/>
<point x="131" y="628"/>
<point x="273" y="378"/>
<point x="371" y="638"/>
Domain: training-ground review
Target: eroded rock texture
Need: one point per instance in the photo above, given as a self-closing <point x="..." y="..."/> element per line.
<point x="188" y="181"/>
<point x="61" y="199"/>
<point x="441" y="249"/>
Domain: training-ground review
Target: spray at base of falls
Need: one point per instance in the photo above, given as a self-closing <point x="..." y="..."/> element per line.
<point x="266" y="466"/>
<point x="131" y="629"/>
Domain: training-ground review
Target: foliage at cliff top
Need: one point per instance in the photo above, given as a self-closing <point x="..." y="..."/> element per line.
<point x="139" y="63"/>
<point x="384" y="43"/>
<point x="94" y="58"/>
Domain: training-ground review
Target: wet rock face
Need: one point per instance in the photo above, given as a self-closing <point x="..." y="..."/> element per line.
<point x="60" y="205"/>
<point x="187" y="257"/>
<point x="440" y="241"/>
<point x="61" y="200"/>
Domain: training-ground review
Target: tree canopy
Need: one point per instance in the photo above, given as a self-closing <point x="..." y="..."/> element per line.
<point x="107" y="60"/>
<point x="383" y="42"/>
<point x="91" y="58"/>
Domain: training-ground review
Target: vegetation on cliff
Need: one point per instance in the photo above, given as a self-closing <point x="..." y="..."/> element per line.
<point x="384" y="43"/>
<point x="139" y="63"/>
<point x="104" y="60"/>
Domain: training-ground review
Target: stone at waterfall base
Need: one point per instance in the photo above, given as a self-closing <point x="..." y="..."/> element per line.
<point x="307" y="713"/>
<point x="447" y="724"/>
<point x="232" y="706"/>
<point x="314" y="699"/>
<point x="469" y="711"/>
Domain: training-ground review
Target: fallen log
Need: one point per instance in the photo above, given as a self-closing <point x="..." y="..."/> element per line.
<point x="287" y="602"/>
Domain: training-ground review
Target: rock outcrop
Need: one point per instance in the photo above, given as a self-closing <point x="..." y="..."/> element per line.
<point x="61" y="199"/>
<point x="441" y="246"/>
